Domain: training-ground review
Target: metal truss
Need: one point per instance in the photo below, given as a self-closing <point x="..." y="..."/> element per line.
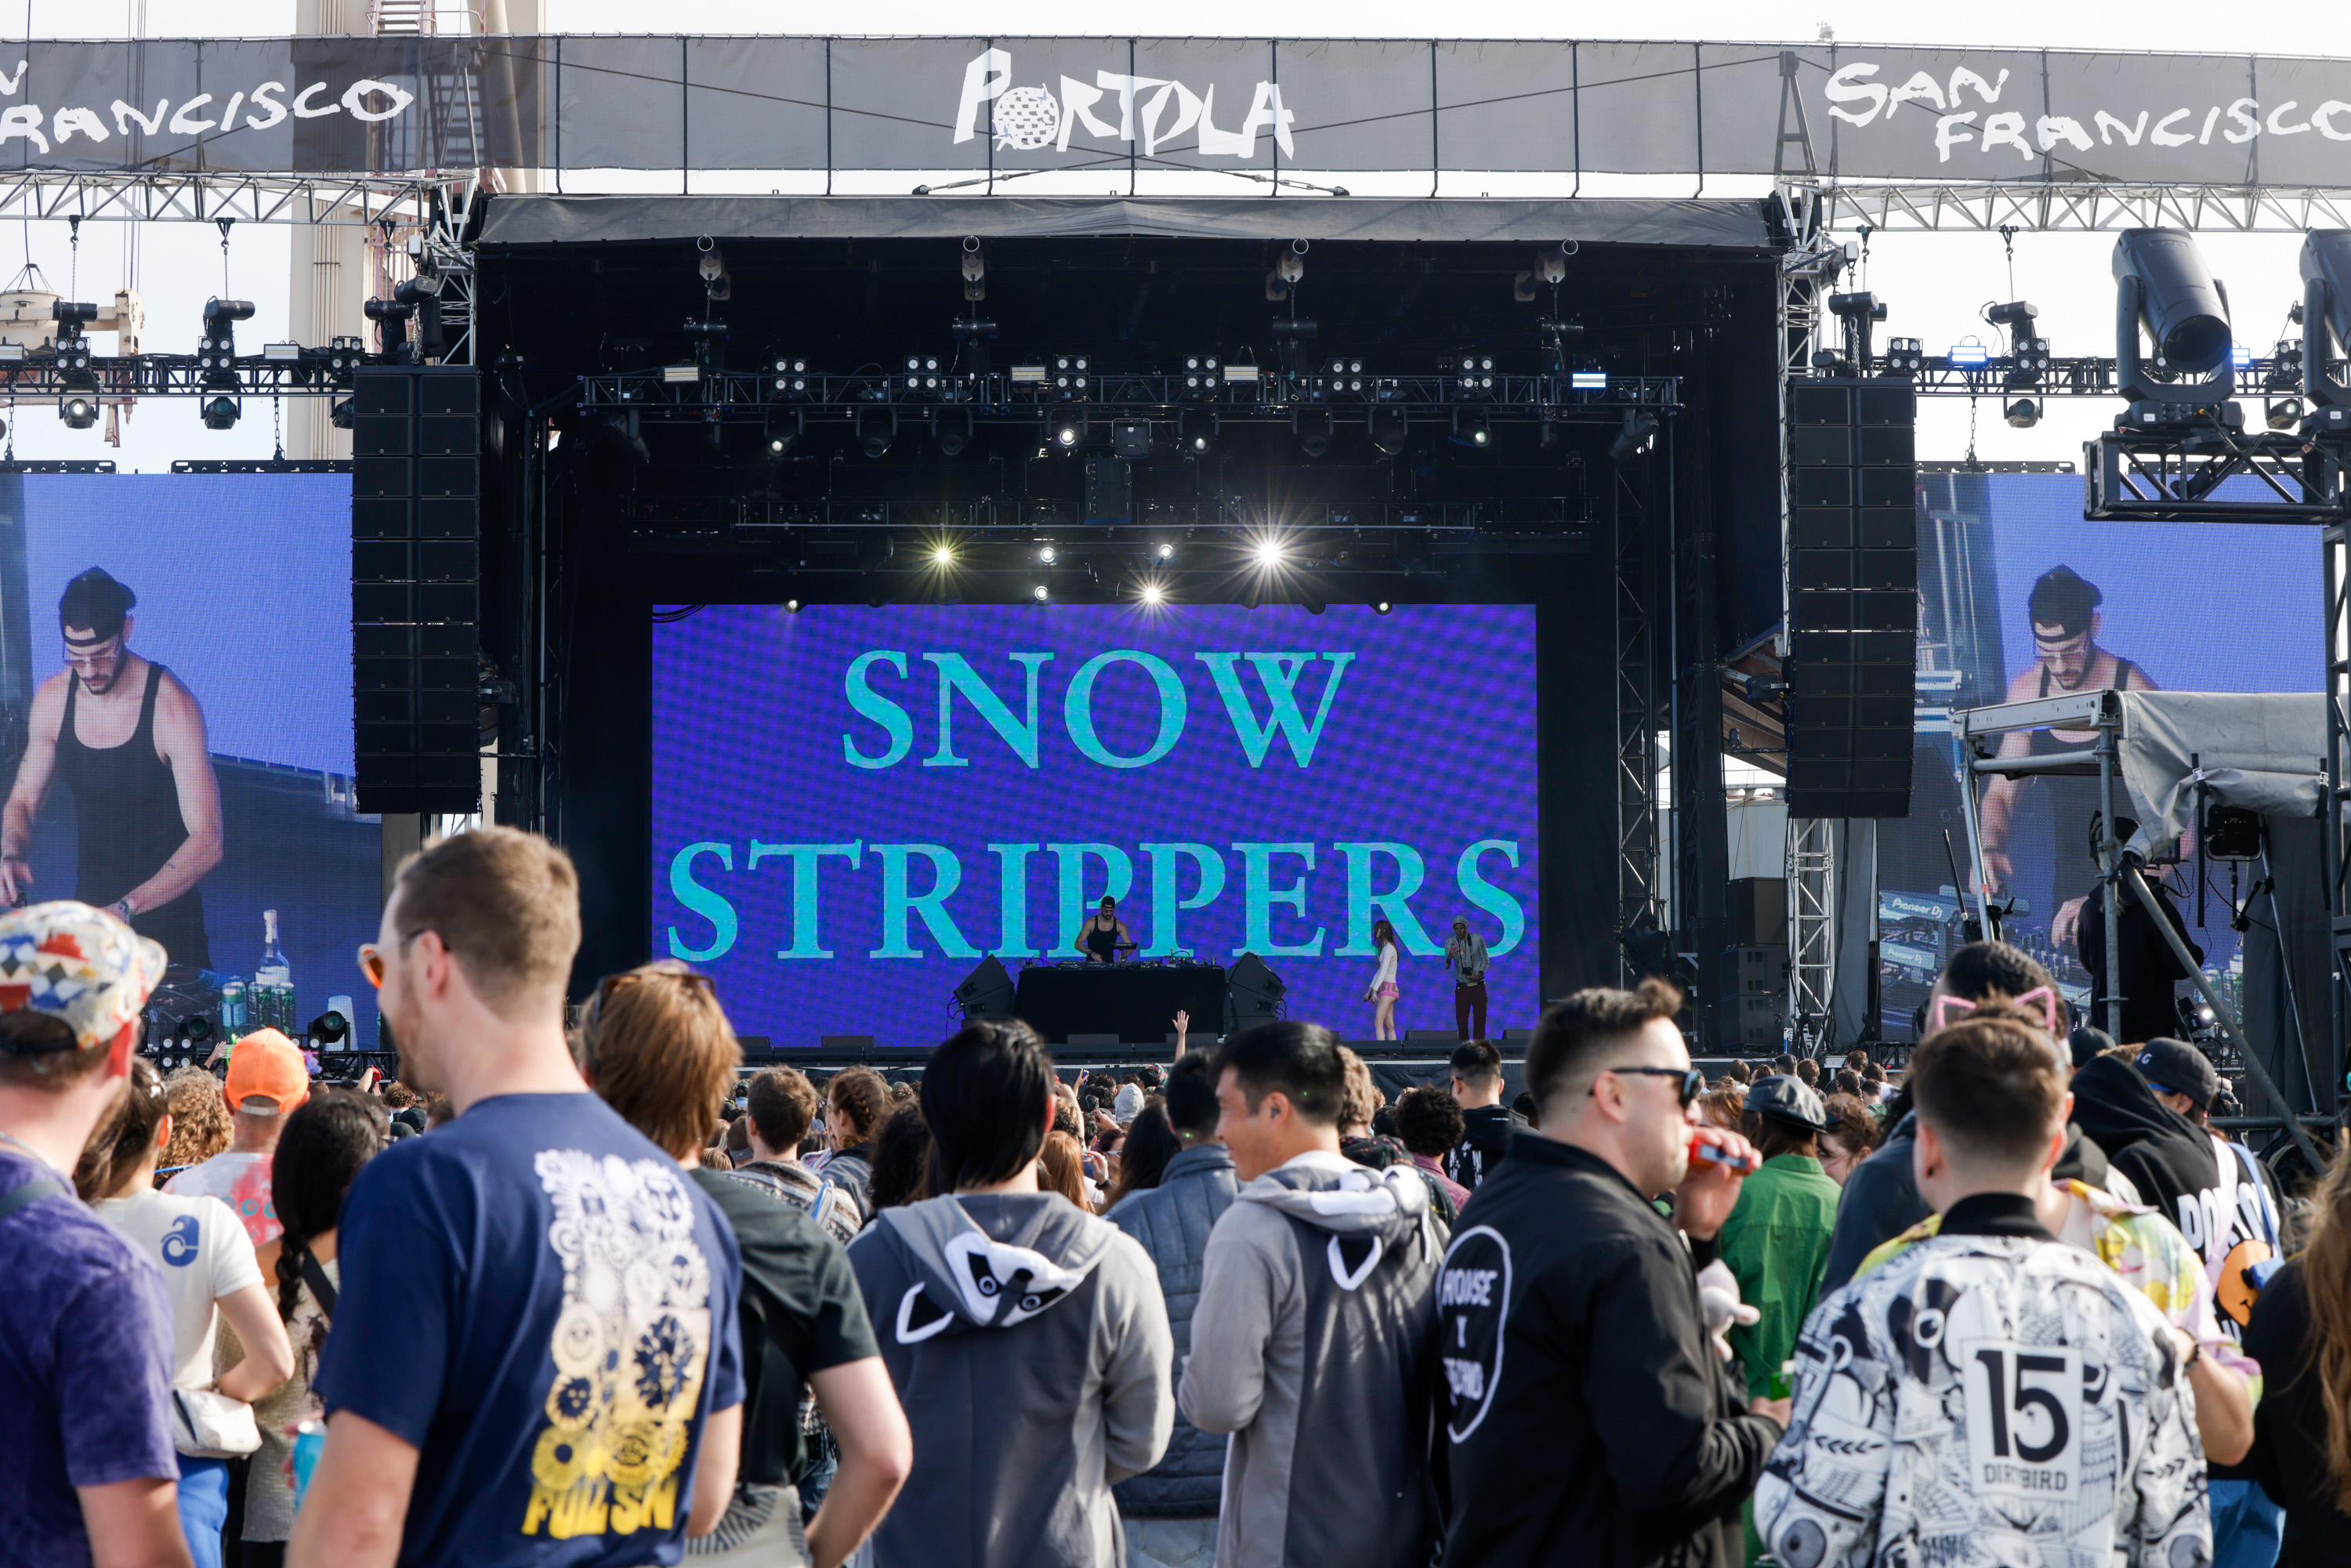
<point x="2333" y="831"/>
<point x="2080" y="205"/>
<point x="193" y="196"/>
<point x="317" y="372"/>
<point x="1640" y="904"/>
<point x="1812" y="932"/>
<point x="2002" y="375"/>
<point x="2176" y="476"/>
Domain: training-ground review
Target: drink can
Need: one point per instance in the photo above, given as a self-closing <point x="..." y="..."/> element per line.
<point x="1781" y="1383"/>
<point x="309" y="1442"/>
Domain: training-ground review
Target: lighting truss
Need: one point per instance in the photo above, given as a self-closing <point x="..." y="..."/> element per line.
<point x="317" y="372"/>
<point x="2176" y="474"/>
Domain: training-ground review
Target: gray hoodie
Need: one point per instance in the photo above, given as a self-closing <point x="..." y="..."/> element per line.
<point x="1029" y="1346"/>
<point x="1307" y="1346"/>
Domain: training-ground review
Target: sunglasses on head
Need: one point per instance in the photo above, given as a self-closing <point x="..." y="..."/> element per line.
<point x="1693" y="1081"/>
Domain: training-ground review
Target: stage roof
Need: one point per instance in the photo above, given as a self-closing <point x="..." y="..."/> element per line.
<point x="527" y="220"/>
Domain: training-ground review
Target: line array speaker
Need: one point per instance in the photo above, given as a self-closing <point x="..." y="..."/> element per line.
<point x="1854" y="597"/>
<point x="416" y="587"/>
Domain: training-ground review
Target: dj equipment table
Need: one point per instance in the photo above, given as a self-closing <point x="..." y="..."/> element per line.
<point x="1136" y="1002"/>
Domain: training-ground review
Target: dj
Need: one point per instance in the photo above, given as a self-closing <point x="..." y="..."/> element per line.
<point x="1103" y="936"/>
<point x="129" y="739"/>
<point x="2063" y="609"/>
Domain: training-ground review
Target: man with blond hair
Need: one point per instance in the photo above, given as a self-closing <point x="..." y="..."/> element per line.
<point x="536" y="1356"/>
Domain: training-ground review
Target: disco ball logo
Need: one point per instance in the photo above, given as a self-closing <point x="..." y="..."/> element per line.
<point x="1026" y="117"/>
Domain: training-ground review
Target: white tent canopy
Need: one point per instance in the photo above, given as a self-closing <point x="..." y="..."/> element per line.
<point x="2265" y="753"/>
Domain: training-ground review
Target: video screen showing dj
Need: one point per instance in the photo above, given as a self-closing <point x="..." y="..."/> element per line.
<point x="2067" y="658"/>
<point x="127" y="737"/>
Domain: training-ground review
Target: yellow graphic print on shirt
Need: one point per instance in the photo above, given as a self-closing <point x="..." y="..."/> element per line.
<point x="631" y="1348"/>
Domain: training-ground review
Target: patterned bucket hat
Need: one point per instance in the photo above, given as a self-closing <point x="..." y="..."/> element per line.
<point x="80" y="965"/>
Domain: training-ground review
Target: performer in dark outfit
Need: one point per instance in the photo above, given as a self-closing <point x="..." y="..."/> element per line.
<point x="2063" y="609"/>
<point x="1103" y="936"/>
<point x="128" y="738"/>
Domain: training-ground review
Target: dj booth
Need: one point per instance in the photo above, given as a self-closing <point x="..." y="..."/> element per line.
<point x="1135" y="1002"/>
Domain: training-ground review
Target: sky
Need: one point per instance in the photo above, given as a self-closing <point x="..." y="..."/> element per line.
<point x="1934" y="284"/>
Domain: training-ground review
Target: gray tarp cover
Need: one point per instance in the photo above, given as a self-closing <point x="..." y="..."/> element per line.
<point x="550" y="220"/>
<point x="2261" y="752"/>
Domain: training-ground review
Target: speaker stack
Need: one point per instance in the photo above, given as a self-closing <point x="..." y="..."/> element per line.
<point x="415" y="587"/>
<point x="1854" y="576"/>
<point x="1252" y="993"/>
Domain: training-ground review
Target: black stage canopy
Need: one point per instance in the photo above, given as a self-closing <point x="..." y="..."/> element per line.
<point x="522" y="220"/>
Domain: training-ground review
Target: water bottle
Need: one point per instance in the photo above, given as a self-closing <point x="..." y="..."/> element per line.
<point x="273" y="980"/>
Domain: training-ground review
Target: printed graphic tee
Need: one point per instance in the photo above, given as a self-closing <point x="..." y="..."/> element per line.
<point x="545" y="1304"/>
<point x="204" y="1255"/>
<point x="240" y="1181"/>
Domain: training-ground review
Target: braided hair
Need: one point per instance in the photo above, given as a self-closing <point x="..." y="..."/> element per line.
<point x="327" y="1139"/>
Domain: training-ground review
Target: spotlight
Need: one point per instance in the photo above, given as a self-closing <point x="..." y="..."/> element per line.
<point x="1473" y="375"/>
<point x="221" y="412"/>
<point x="952" y="430"/>
<point x="2024" y="413"/>
<point x="1269" y="554"/>
<point x="1389" y="430"/>
<point x="1198" y="432"/>
<point x="1202" y="378"/>
<point x="1048" y="554"/>
<point x="1640" y="433"/>
<point x="791" y="607"/>
<point x="2161" y="284"/>
<point x="1471" y="427"/>
<point x="784" y="431"/>
<point x="1858" y="311"/>
<point x="1151" y="593"/>
<point x="1041" y="593"/>
<point x="1382" y="607"/>
<point x="1313" y="428"/>
<point x="789" y="378"/>
<point x="942" y="555"/>
<point x="2284" y="413"/>
<point x="80" y="412"/>
<point x="1069" y="377"/>
<point x="1163" y="551"/>
<point x="1068" y="433"/>
<point x="875" y="428"/>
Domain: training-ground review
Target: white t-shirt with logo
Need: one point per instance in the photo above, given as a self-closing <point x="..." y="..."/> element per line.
<point x="240" y="1181"/>
<point x="203" y="1253"/>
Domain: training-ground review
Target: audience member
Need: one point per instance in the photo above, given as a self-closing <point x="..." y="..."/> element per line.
<point x="1329" y="1460"/>
<point x="1809" y="1069"/>
<point x="1028" y="1339"/>
<point x="1854" y="1132"/>
<point x="535" y="1331"/>
<point x="901" y="1159"/>
<point x="1060" y="1167"/>
<point x="86" y="1325"/>
<point x="663" y="1054"/>
<point x="1574" y="1341"/>
<point x="1895" y="1452"/>
<point x="1143" y="1159"/>
<point x="1723" y="1107"/>
<point x="1849" y="1082"/>
<point x="1170" y="1510"/>
<point x="1740" y="1074"/>
<point x="1486" y="1123"/>
<point x="856" y="1100"/>
<point x="737" y="1142"/>
<point x="1778" y="1233"/>
<point x="210" y="1275"/>
<point x="2301" y="1335"/>
<point x="200" y="1126"/>
<point x="779" y="1108"/>
<point x="318" y="1155"/>
<point x="267" y="1079"/>
<point x="1429" y="1124"/>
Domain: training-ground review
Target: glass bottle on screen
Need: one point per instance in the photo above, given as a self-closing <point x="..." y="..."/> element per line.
<point x="273" y="980"/>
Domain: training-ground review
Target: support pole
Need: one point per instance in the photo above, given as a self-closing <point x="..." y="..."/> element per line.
<point x="2128" y="875"/>
<point x="2110" y="860"/>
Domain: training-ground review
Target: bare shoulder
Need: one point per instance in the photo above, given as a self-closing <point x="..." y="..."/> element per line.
<point x="49" y="696"/>
<point x="174" y="703"/>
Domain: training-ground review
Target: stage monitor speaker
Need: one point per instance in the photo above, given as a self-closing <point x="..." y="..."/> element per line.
<point x="1853" y="612"/>
<point x="416" y="587"/>
<point x="1252" y="993"/>
<point x="987" y="991"/>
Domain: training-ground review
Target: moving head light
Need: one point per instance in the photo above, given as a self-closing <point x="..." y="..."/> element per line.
<point x="2161" y="284"/>
<point x="2326" y="313"/>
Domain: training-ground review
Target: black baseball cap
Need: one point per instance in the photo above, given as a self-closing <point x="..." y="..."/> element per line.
<point x="2175" y="1066"/>
<point x="2088" y="1043"/>
<point x="1786" y="1098"/>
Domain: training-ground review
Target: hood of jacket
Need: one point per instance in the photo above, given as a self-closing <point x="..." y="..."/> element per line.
<point x="1383" y="1207"/>
<point x="2114" y="1105"/>
<point x="991" y="1262"/>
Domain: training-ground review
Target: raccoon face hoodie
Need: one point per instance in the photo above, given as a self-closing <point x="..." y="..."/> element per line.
<point x="1028" y="1342"/>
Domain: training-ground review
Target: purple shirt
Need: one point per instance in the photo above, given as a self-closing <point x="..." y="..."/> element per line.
<point x="85" y="1327"/>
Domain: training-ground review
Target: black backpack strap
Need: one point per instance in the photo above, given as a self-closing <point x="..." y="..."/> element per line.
<point x="31" y="1193"/>
<point x="322" y="1289"/>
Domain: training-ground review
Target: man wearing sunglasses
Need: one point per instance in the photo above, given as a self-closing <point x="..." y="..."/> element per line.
<point x="1575" y="1343"/>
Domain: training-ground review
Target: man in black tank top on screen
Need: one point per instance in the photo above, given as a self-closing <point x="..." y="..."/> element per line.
<point x="2063" y="609"/>
<point x="128" y="739"/>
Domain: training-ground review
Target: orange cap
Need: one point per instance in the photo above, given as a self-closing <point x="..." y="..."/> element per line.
<point x="266" y="1063"/>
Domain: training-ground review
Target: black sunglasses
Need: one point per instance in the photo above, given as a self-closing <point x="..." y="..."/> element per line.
<point x="1693" y="1080"/>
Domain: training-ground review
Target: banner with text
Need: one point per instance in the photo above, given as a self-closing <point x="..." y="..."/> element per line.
<point x="853" y="807"/>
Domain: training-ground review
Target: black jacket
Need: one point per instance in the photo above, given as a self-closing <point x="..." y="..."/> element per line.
<point x="1485" y="1138"/>
<point x="2149" y="966"/>
<point x="2167" y="1157"/>
<point x="1591" y="1420"/>
<point x="2289" y="1457"/>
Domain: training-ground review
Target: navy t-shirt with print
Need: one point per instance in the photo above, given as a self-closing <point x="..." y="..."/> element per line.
<point x="85" y="1367"/>
<point x="542" y="1302"/>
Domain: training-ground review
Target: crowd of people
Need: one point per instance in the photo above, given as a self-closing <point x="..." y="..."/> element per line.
<point x="578" y="1291"/>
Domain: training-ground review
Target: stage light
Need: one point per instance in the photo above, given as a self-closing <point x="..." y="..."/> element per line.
<point x="1390" y="429"/>
<point x="942" y="555"/>
<point x="1151" y="593"/>
<point x="1048" y="554"/>
<point x="1858" y="312"/>
<point x="1904" y="356"/>
<point x="221" y="412"/>
<point x="2240" y="357"/>
<point x="1131" y="439"/>
<point x="1198" y="432"/>
<point x="623" y="430"/>
<point x="1269" y="553"/>
<point x="1069" y="377"/>
<point x="874" y="550"/>
<point x="281" y="353"/>
<point x="784" y="429"/>
<point x="1068" y="433"/>
<point x="1041" y="593"/>
<point x="2162" y="285"/>
<point x="952" y="429"/>
<point x="1163" y="551"/>
<point x="791" y="607"/>
<point x="1969" y="355"/>
<point x="1471" y="428"/>
<point x="1588" y="381"/>
<point x="1640" y="433"/>
<point x="1201" y="378"/>
<point x="79" y="411"/>
<point x="2285" y="414"/>
<point x="1313" y="428"/>
<point x="1382" y="607"/>
<point x="1473" y="375"/>
<point x="789" y="378"/>
<point x="2024" y="413"/>
<point x="875" y="428"/>
<point x="923" y="375"/>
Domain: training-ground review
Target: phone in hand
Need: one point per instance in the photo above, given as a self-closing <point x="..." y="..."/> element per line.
<point x="1715" y="1155"/>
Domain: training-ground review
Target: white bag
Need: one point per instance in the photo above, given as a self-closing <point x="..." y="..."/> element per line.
<point x="208" y="1424"/>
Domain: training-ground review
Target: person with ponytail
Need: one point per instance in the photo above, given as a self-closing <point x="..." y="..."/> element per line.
<point x="318" y="1155"/>
<point x="211" y="1278"/>
<point x="2301" y="1334"/>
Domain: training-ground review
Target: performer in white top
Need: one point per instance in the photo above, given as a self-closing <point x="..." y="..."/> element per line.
<point x="1382" y="991"/>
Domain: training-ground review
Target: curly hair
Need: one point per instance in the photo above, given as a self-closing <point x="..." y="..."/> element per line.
<point x="200" y="1126"/>
<point x="1428" y="1120"/>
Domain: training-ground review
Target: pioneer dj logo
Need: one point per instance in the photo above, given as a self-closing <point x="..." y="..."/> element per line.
<point x="1155" y="110"/>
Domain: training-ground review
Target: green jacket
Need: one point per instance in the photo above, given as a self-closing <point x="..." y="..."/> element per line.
<point x="1776" y="1242"/>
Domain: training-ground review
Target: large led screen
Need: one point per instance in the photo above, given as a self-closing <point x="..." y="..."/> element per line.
<point x="2021" y="598"/>
<point x="855" y="806"/>
<point x="175" y="725"/>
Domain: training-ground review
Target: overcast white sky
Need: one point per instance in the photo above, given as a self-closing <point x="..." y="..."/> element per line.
<point x="1934" y="284"/>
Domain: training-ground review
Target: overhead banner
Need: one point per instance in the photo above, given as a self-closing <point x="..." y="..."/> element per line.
<point x="1006" y="106"/>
